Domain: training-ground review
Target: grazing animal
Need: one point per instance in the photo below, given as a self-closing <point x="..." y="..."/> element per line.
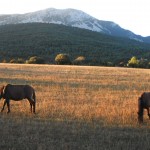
<point x="16" y="93"/>
<point x="143" y="103"/>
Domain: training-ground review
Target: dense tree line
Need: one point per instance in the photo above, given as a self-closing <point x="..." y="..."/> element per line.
<point x="19" y="43"/>
<point x="64" y="59"/>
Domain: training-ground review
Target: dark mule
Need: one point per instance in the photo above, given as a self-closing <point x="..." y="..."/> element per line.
<point x="143" y="103"/>
<point x="16" y="93"/>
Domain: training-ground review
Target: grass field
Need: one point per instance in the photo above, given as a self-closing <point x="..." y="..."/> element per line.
<point x="78" y="108"/>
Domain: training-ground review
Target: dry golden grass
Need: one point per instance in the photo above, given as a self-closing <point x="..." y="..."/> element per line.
<point x="77" y="108"/>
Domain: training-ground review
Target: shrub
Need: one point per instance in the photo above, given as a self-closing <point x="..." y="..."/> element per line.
<point x="62" y="59"/>
<point x="133" y="62"/>
<point x="35" y="60"/>
<point x="79" y="60"/>
<point x="12" y="61"/>
<point x="17" y="61"/>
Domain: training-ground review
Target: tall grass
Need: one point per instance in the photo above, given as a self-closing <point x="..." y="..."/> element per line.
<point x="77" y="107"/>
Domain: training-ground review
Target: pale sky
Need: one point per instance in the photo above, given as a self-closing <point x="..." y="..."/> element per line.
<point x="133" y="15"/>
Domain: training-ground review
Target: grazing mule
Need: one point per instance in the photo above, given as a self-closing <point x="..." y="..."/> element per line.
<point x="16" y="93"/>
<point x="143" y="103"/>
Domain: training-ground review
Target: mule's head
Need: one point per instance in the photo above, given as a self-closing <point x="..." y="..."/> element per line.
<point x="140" y="117"/>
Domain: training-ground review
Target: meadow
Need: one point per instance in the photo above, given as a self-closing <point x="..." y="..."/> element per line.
<point x="78" y="108"/>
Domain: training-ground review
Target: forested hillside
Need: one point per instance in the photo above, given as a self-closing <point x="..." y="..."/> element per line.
<point x="48" y="40"/>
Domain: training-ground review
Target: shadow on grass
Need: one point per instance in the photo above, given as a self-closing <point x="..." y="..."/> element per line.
<point x="35" y="133"/>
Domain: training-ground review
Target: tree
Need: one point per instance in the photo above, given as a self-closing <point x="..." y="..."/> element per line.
<point x="62" y="59"/>
<point x="133" y="62"/>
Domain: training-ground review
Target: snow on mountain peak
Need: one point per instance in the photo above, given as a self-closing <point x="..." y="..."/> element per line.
<point x="68" y="17"/>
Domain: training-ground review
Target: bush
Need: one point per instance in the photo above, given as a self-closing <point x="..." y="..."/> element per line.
<point x="17" y="61"/>
<point x="35" y="60"/>
<point x="79" y="60"/>
<point x="133" y="62"/>
<point x="12" y="61"/>
<point x="62" y="59"/>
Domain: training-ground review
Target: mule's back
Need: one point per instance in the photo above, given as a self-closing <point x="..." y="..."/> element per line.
<point x="18" y="92"/>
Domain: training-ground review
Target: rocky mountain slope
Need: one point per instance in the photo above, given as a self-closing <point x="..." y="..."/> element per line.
<point x="74" y="18"/>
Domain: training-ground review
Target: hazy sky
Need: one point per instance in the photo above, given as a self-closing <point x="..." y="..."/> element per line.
<point x="133" y="15"/>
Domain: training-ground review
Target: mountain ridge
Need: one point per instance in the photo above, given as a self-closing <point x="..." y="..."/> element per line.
<point x="73" y="18"/>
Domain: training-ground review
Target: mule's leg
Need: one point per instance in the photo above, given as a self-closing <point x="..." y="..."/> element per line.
<point x="32" y="103"/>
<point x="30" y="106"/>
<point x="8" y="105"/>
<point x="3" y="105"/>
<point x="34" y="107"/>
<point x="148" y="112"/>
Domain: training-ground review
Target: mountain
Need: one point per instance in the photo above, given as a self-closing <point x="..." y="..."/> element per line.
<point x="74" y="18"/>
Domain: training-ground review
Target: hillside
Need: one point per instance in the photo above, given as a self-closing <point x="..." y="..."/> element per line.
<point x="47" y="40"/>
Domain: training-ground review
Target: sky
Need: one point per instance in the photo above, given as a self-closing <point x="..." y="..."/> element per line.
<point x="133" y="15"/>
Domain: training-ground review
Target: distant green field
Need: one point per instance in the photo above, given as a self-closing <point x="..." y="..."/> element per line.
<point x="78" y="108"/>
